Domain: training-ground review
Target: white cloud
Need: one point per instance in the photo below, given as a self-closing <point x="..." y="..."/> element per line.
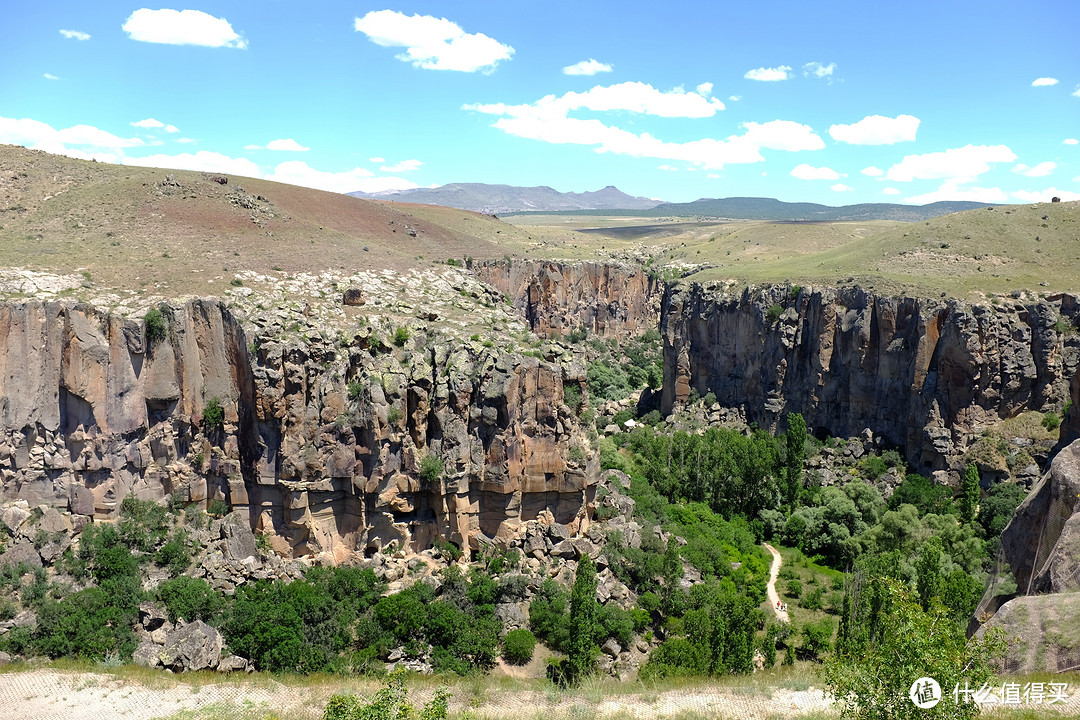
<point x="433" y="43"/>
<point x="185" y="140"/>
<point x="377" y="159"/>
<point x="403" y="166"/>
<point x="872" y="171"/>
<point x="704" y="89"/>
<point x="951" y="190"/>
<point x="548" y="120"/>
<point x="287" y="145"/>
<point x="182" y="27"/>
<point x="840" y="187"/>
<point x="1044" y="82"/>
<point x="1041" y="170"/>
<point x="587" y="67"/>
<point x="297" y="172"/>
<point x="74" y="35"/>
<point x="734" y="98"/>
<point x="808" y="172"/>
<point x="147" y="123"/>
<point x="1070" y="141"/>
<point x="1076" y="92"/>
<point x="77" y="141"/>
<point x="958" y="164"/>
<point x="667" y="168"/>
<point x="765" y="74"/>
<point x="171" y="129"/>
<point x="877" y="130"/>
<point x="890" y="191"/>
<point x="50" y="76"/>
<point x="819" y="70"/>
<point x="1035" y="196"/>
<point x="202" y="160"/>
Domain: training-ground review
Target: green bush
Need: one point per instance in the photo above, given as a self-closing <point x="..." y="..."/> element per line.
<point x="156" y="326"/>
<point x="431" y="469"/>
<point x="213" y="414"/>
<point x="401" y="336"/>
<point x="572" y="395"/>
<point x="1051" y="421"/>
<point x="389" y="703"/>
<point x="175" y="553"/>
<point x="190" y="599"/>
<point x="774" y="312"/>
<point x="793" y="589"/>
<point x="217" y="508"/>
<point x="518" y="647"/>
<point x="393" y="415"/>
<point x="355" y="389"/>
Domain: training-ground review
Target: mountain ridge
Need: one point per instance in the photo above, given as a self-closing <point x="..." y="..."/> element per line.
<point x="496" y="198"/>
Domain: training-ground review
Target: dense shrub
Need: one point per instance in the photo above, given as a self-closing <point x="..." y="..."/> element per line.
<point x="213" y="414"/>
<point x="431" y="469"/>
<point x="518" y="647"/>
<point x="156" y="326"/>
<point x="190" y="599"/>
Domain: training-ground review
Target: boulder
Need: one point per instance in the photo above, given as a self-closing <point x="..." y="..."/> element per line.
<point x="512" y="615"/>
<point x="152" y="616"/>
<point x="233" y="663"/>
<point x="239" y="540"/>
<point x="21" y="554"/>
<point x="192" y="646"/>
<point x="353" y="296"/>
<point x="611" y="648"/>
<point x="81" y="501"/>
<point x="5" y="659"/>
<point x="15" y="515"/>
<point x="147" y="655"/>
<point x="53" y="522"/>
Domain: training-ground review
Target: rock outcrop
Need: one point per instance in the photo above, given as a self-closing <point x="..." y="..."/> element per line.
<point x="319" y="440"/>
<point x="927" y="376"/>
<point x="556" y="298"/>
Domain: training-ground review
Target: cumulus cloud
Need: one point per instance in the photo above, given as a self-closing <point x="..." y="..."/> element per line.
<point x="548" y="120"/>
<point x="734" y="98"/>
<point x="809" y="172"/>
<point x="182" y="27"/>
<point x="377" y="159"/>
<point x="1035" y="196"/>
<point x="82" y="141"/>
<point x="959" y="164"/>
<point x="818" y="70"/>
<point x="765" y="74"/>
<point x="877" y="130"/>
<point x="840" y="187"/>
<point x="403" y="166"/>
<point x="74" y="35"/>
<point x="297" y="172"/>
<point x="890" y="191"/>
<point x="951" y="190"/>
<point x="202" y="160"/>
<point x="286" y="145"/>
<point x="50" y="76"/>
<point x="872" y="171"/>
<point x="1044" y="82"/>
<point x="1070" y="141"/>
<point x="587" y="67"/>
<point x="1041" y="170"/>
<point x="704" y="89"/>
<point x="433" y="43"/>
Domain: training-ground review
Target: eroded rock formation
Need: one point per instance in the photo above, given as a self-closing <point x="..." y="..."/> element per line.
<point x="928" y="376"/>
<point x="321" y="439"/>
<point x="606" y="299"/>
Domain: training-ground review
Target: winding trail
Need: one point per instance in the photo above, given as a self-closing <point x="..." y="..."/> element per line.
<point x="770" y="589"/>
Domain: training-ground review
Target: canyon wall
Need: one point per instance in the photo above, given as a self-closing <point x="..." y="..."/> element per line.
<point x="927" y="376"/>
<point x="556" y="298"/>
<point x="321" y="440"/>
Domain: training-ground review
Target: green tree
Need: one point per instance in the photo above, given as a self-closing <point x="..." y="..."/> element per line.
<point x="870" y="680"/>
<point x="518" y="646"/>
<point x="582" y="651"/>
<point x="796" y="454"/>
<point x="969" y="494"/>
<point x="928" y="573"/>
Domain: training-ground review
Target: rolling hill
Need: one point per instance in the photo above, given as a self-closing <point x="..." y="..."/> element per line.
<point x="499" y="199"/>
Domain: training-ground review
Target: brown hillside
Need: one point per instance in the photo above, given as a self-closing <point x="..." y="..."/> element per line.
<point x="177" y="232"/>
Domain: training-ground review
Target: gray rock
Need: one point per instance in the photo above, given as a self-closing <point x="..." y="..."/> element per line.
<point x="147" y="655"/>
<point x="81" y="501"/>
<point x="21" y="554"/>
<point x="53" y="522"/>
<point x="194" y="646"/>
<point x="564" y="549"/>
<point x="152" y="616"/>
<point x="239" y="540"/>
<point x="15" y="515"/>
<point x="558" y="533"/>
<point x="233" y="663"/>
<point x="512" y="615"/>
<point x="5" y="659"/>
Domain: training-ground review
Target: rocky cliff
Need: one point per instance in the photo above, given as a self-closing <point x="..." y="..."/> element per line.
<point x="606" y="299"/>
<point x="321" y="440"/>
<point x="927" y="376"/>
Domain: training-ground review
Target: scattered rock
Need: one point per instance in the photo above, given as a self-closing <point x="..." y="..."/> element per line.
<point x="192" y="646"/>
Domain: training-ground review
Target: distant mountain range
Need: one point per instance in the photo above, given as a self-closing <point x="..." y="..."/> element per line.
<point x="495" y="199"/>
<point x="750" y="208"/>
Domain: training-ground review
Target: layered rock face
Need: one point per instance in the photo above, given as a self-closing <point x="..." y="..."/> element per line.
<point x="322" y="440"/>
<point x="606" y="299"/>
<point x="926" y="376"/>
<point x="1042" y="547"/>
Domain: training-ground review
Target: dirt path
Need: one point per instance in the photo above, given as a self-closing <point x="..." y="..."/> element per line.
<point x="48" y="694"/>
<point x="770" y="589"/>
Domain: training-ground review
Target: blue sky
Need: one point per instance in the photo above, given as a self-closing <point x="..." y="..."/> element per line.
<point x="831" y="102"/>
